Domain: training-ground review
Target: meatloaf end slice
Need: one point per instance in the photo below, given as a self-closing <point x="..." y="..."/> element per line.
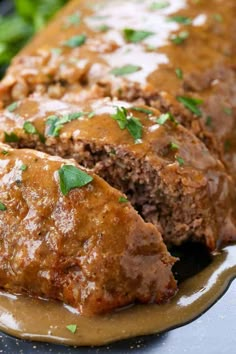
<point x="85" y="248"/>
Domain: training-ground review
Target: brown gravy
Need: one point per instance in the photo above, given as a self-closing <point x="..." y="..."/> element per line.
<point x="43" y="320"/>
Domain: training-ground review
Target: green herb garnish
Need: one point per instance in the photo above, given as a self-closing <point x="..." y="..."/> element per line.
<point x="72" y="328"/>
<point x="125" y="70"/>
<point x="159" y="5"/>
<point x="192" y="104"/>
<point x="5" y="152"/>
<point x="103" y="28"/>
<point x="56" y="51"/>
<point x="208" y="121"/>
<point x="55" y="123"/>
<point x="174" y="146"/>
<point x="163" y="118"/>
<point x="12" y="107"/>
<point x="72" y="20"/>
<point x="75" y="41"/>
<point x="179" y="73"/>
<point x="180" y="37"/>
<point x="135" y="36"/>
<point x="218" y="17"/>
<point x="72" y="177"/>
<point x="180" y="160"/>
<point x="228" y="111"/>
<point x="123" y="200"/>
<point x="180" y="19"/>
<point x="29" y="128"/>
<point x="2" y="207"/>
<point x="142" y="110"/>
<point x="23" y="167"/>
<point x="126" y="121"/>
<point x="11" y="138"/>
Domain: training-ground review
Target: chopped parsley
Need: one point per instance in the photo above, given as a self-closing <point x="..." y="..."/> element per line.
<point x="174" y="146"/>
<point x="72" y="177"/>
<point x="135" y="36"/>
<point x="228" y="111"/>
<point x="125" y="70"/>
<point x="29" y="128"/>
<point x="56" y="51"/>
<point x="159" y="5"/>
<point x="75" y="41"/>
<point x="142" y="110"/>
<point x="72" y="20"/>
<point x="218" y="17"/>
<point x="208" y="121"/>
<point x="23" y="167"/>
<point x="72" y="328"/>
<point x="11" y="138"/>
<point x="180" y="37"/>
<point x="5" y="152"/>
<point x="179" y="73"/>
<point x="2" y="207"/>
<point x="12" y="107"/>
<point x="126" y="121"/>
<point x="191" y="104"/>
<point x="103" y="28"/>
<point x="180" y="160"/>
<point x="123" y="200"/>
<point x="55" y="123"/>
<point x="180" y="19"/>
<point x="163" y="118"/>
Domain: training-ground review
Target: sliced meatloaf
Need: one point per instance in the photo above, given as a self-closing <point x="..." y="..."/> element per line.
<point x="65" y="235"/>
<point x="137" y="50"/>
<point x="167" y="173"/>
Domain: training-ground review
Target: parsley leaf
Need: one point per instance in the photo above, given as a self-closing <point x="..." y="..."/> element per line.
<point x="29" y="128"/>
<point x="72" y="328"/>
<point x="75" y="41"/>
<point x="142" y="110"/>
<point x="191" y="104"/>
<point x="179" y="73"/>
<point x="180" y="37"/>
<point x="135" y="36"/>
<point x="2" y="207"/>
<point x="180" y="160"/>
<point x="159" y="5"/>
<point x="208" y="121"/>
<point x="125" y="70"/>
<point x="72" y="177"/>
<point x="228" y="111"/>
<point x="10" y="138"/>
<point x="174" y="146"/>
<point x="72" y="20"/>
<point x="56" y="123"/>
<point x="180" y="19"/>
<point x="163" y="118"/>
<point x="126" y="121"/>
<point x="12" y="107"/>
<point x="23" y="167"/>
<point x="123" y="200"/>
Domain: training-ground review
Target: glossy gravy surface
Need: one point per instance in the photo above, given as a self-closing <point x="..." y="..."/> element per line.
<point x="42" y="320"/>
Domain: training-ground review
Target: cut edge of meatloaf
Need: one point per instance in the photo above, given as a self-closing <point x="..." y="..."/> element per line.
<point x="73" y="236"/>
<point x="188" y="202"/>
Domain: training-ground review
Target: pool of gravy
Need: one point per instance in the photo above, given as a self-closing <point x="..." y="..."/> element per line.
<point x="44" y="320"/>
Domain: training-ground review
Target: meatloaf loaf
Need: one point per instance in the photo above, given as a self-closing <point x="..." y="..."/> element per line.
<point x="66" y="234"/>
<point x="167" y="173"/>
<point x="177" y="55"/>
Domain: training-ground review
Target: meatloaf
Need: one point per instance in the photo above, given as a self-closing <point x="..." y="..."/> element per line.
<point x="178" y="56"/>
<point x="168" y="174"/>
<point x="66" y="234"/>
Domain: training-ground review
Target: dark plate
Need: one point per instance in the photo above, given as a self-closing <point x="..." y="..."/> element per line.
<point x="212" y="333"/>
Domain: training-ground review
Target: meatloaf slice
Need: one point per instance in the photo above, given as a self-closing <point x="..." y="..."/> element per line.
<point x="81" y="245"/>
<point x="167" y="173"/>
